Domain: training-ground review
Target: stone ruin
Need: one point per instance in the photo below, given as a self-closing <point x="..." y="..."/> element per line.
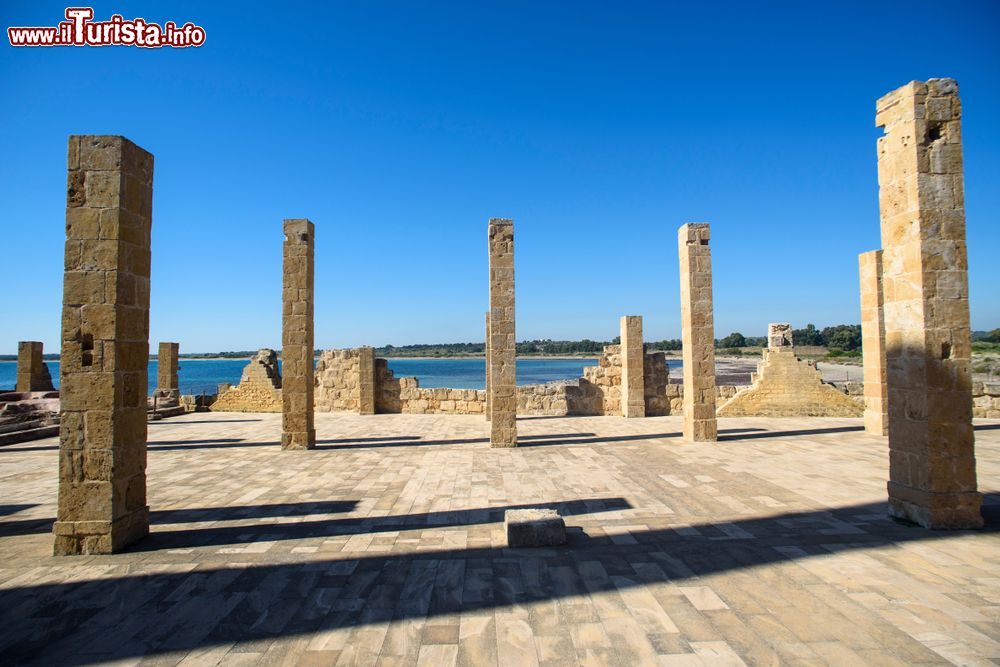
<point x="259" y="389"/>
<point x="501" y="362"/>
<point x="105" y="347"/>
<point x="786" y="386"/>
<point x="921" y="301"/>
<point x="697" y="332"/>
<point x="32" y="373"/>
<point x="166" y="398"/>
<point x="932" y="461"/>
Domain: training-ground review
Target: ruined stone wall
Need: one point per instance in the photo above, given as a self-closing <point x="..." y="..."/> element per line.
<point x="986" y="399"/>
<point x="599" y="390"/>
<point x="259" y="389"/>
<point x="338" y="380"/>
<point x="786" y="386"/>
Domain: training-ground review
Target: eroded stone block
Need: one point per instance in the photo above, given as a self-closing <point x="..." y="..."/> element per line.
<point x="534" y="528"/>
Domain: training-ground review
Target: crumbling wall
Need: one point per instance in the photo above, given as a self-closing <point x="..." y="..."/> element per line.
<point x="786" y="386"/>
<point x="337" y="381"/>
<point x="986" y="399"/>
<point x="259" y="389"/>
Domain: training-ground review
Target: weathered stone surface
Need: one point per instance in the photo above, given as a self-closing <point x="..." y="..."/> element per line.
<point x="786" y="386"/>
<point x="259" y="389"/>
<point x="502" y="359"/>
<point x="932" y="463"/>
<point x="366" y="381"/>
<point x="633" y="367"/>
<point x="297" y="349"/>
<point x="167" y="393"/>
<point x="697" y="333"/>
<point x="347" y="380"/>
<point x="105" y="347"/>
<point x="487" y="359"/>
<point x="873" y="343"/>
<point x="779" y="334"/>
<point x="32" y="373"/>
<point x="534" y="528"/>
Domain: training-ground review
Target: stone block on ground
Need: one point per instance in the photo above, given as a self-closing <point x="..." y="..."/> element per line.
<point x="534" y="528"/>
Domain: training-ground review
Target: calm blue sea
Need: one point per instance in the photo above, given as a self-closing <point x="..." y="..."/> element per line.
<point x="204" y="375"/>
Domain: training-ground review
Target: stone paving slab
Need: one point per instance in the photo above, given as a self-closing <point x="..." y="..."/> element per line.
<point x="385" y="545"/>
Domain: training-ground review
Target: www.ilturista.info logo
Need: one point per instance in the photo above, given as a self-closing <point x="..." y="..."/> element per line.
<point x="81" y="30"/>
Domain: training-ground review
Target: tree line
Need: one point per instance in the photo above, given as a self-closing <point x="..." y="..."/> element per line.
<point x="844" y="337"/>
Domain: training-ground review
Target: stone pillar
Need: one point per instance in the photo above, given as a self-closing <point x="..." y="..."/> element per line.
<point x="487" y="351"/>
<point x="32" y="373"/>
<point x="105" y="347"/>
<point x="779" y="335"/>
<point x="633" y="373"/>
<point x="697" y="333"/>
<point x="366" y="381"/>
<point x="297" y="349"/>
<point x="873" y="343"/>
<point x="166" y="369"/>
<point x="932" y="464"/>
<point x="502" y="388"/>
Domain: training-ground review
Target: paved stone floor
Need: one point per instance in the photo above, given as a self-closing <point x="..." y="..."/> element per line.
<point x="385" y="546"/>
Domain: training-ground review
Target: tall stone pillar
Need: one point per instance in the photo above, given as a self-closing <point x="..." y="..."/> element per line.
<point x="166" y="369"/>
<point x="873" y="343"/>
<point x="105" y="347"/>
<point x="366" y="381"/>
<point x="297" y="349"/>
<point x="487" y="351"/>
<point x="32" y="373"/>
<point x="932" y="464"/>
<point x="697" y="332"/>
<point x="502" y="388"/>
<point x="633" y="373"/>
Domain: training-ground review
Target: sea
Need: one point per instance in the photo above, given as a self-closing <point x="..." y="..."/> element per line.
<point x="198" y="376"/>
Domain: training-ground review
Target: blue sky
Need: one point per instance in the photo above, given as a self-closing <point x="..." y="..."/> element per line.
<point x="400" y="128"/>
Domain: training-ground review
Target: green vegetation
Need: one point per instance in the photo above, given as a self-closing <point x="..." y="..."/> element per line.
<point x="842" y="340"/>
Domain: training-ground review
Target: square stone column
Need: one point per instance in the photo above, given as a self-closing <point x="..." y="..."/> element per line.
<point x="105" y="347"/>
<point x="32" y="373"/>
<point x="502" y="387"/>
<point x="633" y="373"/>
<point x="697" y="332"/>
<point x="297" y="349"/>
<point x="873" y="343"/>
<point x="366" y="381"/>
<point x="487" y="352"/>
<point x="932" y="463"/>
<point x="166" y="369"/>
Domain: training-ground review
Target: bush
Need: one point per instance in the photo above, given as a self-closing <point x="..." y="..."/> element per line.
<point x="836" y="352"/>
<point x="731" y="351"/>
<point x="735" y="339"/>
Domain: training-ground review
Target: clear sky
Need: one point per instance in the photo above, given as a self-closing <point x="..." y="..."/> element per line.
<point x="400" y="128"/>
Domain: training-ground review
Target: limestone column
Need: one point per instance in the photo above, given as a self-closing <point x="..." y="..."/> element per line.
<point x="633" y="373"/>
<point x="32" y="373"/>
<point x="697" y="332"/>
<point x="502" y="387"/>
<point x="297" y="350"/>
<point x="105" y="347"/>
<point x="487" y="352"/>
<point x="366" y="381"/>
<point x="166" y="369"/>
<point x="932" y="464"/>
<point x="873" y="342"/>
